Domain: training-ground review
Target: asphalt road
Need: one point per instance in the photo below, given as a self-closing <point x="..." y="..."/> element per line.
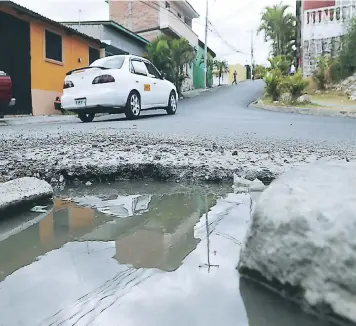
<point x="222" y="112"/>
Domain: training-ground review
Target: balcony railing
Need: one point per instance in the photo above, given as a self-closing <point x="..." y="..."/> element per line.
<point x="329" y="15"/>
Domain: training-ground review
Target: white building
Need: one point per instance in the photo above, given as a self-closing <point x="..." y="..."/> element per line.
<point x="321" y="28"/>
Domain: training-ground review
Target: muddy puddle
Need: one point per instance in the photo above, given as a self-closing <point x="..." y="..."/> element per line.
<point x="134" y="254"/>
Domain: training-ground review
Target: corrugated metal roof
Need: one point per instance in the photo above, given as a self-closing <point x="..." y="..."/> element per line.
<point x="35" y="15"/>
<point x="113" y="25"/>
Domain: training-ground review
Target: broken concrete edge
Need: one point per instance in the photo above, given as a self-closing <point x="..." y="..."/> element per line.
<point x="152" y="171"/>
<point x="291" y="223"/>
<point x="323" y="111"/>
<point x="21" y="193"/>
<point x="294" y="295"/>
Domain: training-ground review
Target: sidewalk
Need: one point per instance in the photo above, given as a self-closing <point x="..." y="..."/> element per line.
<point x="28" y="119"/>
<point x="322" y="108"/>
<point x="200" y="91"/>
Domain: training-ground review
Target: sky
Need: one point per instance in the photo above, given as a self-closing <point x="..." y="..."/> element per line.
<point x="234" y="22"/>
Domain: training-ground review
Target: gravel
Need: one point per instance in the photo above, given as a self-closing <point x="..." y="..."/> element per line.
<point x="80" y="156"/>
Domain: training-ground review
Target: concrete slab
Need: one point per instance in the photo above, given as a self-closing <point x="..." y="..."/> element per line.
<point x="23" y="191"/>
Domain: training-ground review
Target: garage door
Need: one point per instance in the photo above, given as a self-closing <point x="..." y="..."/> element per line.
<point x="15" y="60"/>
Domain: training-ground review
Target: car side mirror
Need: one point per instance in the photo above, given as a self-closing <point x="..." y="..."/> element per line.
<point x="163" y="75"/>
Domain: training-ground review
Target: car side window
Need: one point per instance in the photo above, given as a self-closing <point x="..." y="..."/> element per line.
<point x="152" y="70"/>
<point x="139" y="68"/>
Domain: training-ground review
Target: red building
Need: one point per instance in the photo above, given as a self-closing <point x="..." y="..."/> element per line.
<point x="314" y="4"/>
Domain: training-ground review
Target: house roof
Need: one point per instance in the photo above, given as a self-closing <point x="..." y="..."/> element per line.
<point x="25" y="11"/>
<point x="202" y="45"/>
<point x="112" y="24"/>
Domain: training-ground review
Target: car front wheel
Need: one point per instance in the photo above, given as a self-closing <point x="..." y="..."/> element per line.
<point x="172" y="104"/>
<point x="133" y="106"/>
<point x="86" y="117"/>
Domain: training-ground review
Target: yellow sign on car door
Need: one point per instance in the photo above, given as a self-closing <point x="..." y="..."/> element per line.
<point x="147" y="87"/>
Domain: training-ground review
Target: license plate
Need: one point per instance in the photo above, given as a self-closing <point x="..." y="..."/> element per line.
<point x="82" y="102"/>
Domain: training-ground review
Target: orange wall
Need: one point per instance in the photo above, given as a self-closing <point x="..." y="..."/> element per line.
<point x="47" y="75"/>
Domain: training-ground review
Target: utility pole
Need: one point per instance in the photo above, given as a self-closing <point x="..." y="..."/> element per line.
<point x="129" y="23"/>
<point x="206" y="45"/>
<point x="252" y="53"/>
<point x="79" y="16"/>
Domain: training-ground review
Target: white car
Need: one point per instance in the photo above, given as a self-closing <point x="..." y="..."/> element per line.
<point x="117" y="84"/>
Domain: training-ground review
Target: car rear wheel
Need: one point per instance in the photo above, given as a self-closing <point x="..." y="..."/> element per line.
<point x="133" y="106"/>
<point x="86" y="117"/>
<point x="172" y="104"/>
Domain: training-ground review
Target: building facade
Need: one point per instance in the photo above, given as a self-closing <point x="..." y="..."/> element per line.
<point x="154" y="18"/>
<point x="37" y="53"/>
<point x="118" y="39"/>
<point x="151" y="19"/>
<point x="321" y="25"/>
<point x="198" y="67"/>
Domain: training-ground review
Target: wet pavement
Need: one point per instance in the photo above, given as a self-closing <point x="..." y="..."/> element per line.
<point x="134" y="254"/>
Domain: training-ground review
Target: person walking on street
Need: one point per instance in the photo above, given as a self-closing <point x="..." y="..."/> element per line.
<point x="235" y="75"/>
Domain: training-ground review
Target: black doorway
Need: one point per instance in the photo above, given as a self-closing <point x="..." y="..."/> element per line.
<point x="15" y="60"/>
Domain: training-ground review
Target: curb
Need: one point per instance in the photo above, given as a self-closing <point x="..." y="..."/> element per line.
<point x="322" y="112"/>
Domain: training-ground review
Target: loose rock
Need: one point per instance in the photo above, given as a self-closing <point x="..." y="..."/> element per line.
<point x="23" y="191"/>
<point x="302" y="237"/>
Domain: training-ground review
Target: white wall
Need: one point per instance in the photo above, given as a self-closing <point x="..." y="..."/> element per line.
<point x="323" y="27"/>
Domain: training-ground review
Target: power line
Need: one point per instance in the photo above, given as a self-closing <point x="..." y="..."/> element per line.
<point x="216" y="32"/>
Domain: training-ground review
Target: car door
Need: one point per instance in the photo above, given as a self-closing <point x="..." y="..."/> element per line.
<point x="142" y="82"/>
<point x="158" y="93"/>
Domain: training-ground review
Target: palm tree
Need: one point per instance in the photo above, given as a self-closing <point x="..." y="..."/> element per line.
<point x="171" y="57"/>
<point x="222" y="67"/>
<point x="279" y="27"/>
<point x="182" y="55"/>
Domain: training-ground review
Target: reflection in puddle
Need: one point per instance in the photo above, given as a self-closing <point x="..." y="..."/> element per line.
<point x="164" y="258"/>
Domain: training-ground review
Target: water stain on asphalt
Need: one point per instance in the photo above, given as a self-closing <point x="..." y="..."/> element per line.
<point x="163" y="255"/>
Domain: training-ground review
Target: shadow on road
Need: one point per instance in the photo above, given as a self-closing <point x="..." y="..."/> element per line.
<point x="123" y="118"/>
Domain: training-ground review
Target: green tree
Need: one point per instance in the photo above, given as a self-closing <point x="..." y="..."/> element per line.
<point x="259" y="71"/>
<point x="274" y="84"/>
<point x="172" y="57"/>
<point x="347" y="55"/>
<point x="221" y="67"/>
<point x="279" y="28"/>
<point x="322" y="73"/>
<point x="281" y="63"/>
<point x="296" y="85"/>
<point x="158" y="52"/>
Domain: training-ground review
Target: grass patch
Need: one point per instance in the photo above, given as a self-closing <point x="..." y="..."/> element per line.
<point x="332" y="97"/>
<point x="268" y="101"/>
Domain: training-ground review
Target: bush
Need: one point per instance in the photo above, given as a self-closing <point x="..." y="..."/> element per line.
<point x="259" y="71"/>
<point x="347" y="55"/>
<point x="281" y="63"/>
<point x="322" y="72"/>
<point x="296" y="85"/>
<point x="274" y="84"/>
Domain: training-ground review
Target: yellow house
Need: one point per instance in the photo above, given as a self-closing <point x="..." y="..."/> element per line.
<point x="240" y="70"/>
<point x="37" y="52"/>
<point x="228" y="77"/>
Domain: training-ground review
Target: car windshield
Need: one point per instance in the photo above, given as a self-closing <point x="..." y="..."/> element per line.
<point x="114" y="62"/>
